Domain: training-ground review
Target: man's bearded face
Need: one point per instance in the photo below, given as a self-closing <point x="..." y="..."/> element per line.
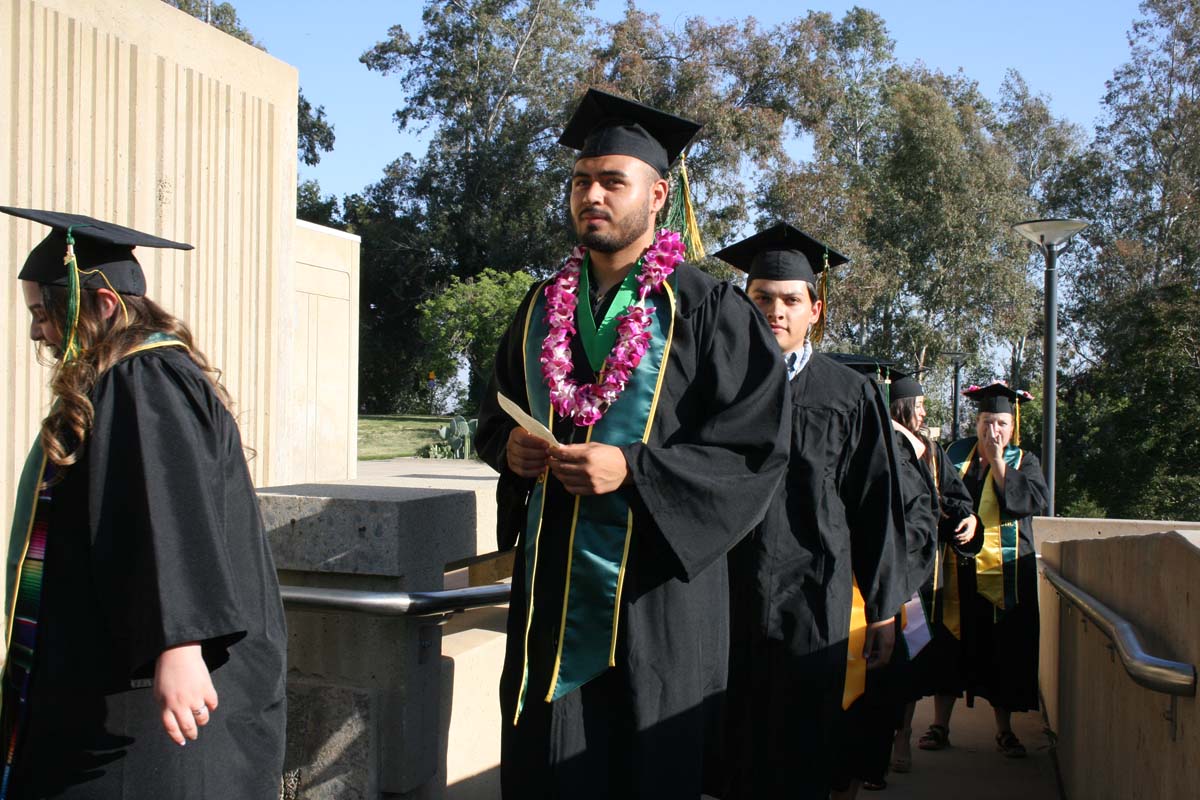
<point x="611" y="201"/>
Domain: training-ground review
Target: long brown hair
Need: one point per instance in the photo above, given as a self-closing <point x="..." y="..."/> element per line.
<point x="102" y="342"/>
<point x="904" y="411"/>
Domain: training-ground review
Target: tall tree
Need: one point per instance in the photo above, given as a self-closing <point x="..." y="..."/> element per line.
<point x="463" y="323"/>
<point x="1041" y="146"/>
<point x="495" y="80"/>
<point x="1134" y="301"/>
<point x="910" y="179"/>
<point x="491" y="79"/>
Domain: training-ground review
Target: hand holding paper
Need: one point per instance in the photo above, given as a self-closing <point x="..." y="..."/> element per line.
<point x="525" y="421"/>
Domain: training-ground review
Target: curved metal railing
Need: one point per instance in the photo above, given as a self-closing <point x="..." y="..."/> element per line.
<point x="1152" y="672"/>
<point x="393" y="604"/>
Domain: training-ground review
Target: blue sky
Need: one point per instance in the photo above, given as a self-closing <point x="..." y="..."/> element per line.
<point x="1066" y="49"/>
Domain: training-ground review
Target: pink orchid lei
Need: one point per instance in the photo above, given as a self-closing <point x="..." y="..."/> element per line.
<point x="586" y="404"/>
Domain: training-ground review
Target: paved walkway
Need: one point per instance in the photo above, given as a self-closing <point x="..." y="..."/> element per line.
<point x="971" y="767"/>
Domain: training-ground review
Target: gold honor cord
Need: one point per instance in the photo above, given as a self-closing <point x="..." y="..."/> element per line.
<point x="104" y="277"/>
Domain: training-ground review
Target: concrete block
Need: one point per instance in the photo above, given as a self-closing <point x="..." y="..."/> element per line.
<point x="472" y="478"/>
<point x="347" y="529"/>
<point x="472" y="656"/>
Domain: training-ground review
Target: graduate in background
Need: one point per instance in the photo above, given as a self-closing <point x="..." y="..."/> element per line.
<point x="870" y="723"/>
<point x="1000" y="604"/>
<point x="144" y="612"/>
<point x="666" y="395"/>
<point x="836" y="523"/>
<point x="959" y="535"/>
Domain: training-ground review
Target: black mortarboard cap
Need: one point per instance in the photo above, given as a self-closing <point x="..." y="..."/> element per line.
<point x="880" y="369"/>
<point x="101" y="246"/>
<point x="781" y="253"/>
<point x="905" y="384"/>
<point x="997" y="397"/>
<point x="868" y="365"/>
<point x="607" y="125"/>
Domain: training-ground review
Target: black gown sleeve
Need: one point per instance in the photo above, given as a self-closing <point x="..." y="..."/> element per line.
<point x="871" y="494"/>
<point x="1025" y="491"/>
<point x="957" y="505"/>
<point x="494" y="427"/>
<point x="710" y="484"/>
<point x="161" y="534"/>
<point x="921" y="512"/>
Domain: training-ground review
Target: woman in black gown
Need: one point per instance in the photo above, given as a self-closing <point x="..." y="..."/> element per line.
<point x="146" y="635"/>
<point x="999" y="604"/>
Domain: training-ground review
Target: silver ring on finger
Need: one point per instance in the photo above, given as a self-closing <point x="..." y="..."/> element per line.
<point x="198" y="711"/>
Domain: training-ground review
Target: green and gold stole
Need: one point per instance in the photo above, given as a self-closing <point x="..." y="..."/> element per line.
<point x="996" y="564"/>
<point x="601" y="525"/>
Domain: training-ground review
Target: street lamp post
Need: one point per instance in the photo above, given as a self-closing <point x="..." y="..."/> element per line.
<point x="1048" y="234"/>
<point x="957" y="359"/>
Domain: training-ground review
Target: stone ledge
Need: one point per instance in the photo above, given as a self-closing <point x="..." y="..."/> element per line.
<point x="349" y="529"/>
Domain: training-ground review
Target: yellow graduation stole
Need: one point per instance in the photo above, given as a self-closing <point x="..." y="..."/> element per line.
<point x="951" y="606"/>
<point x="856" y="664"/>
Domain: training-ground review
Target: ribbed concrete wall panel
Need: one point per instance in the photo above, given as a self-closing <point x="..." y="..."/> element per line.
<point x="132" y="111"/>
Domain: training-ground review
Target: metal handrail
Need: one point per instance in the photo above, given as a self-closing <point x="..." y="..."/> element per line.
<point x="393" y="604"/>
<point x="1152" y="672"/>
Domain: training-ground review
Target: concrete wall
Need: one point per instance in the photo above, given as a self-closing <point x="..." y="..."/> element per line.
<point x="133" y="111"/>
<point x="1061" y="529"/>
<point x="325" y="377"/>
<point x="1114" y="740"/>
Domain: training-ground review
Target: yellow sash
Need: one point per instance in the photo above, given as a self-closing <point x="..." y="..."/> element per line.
<point x="856" y="665"/>
<point x="989" y="564"/>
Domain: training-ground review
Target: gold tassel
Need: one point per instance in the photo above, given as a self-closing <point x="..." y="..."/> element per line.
<point x="692" y="240"/>
<point x="818" y="328"/>
<point x="1017" y="423"/>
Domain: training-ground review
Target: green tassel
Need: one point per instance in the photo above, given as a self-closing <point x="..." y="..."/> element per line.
<point x="71" y="349"/>
<point x="681" y="215"/>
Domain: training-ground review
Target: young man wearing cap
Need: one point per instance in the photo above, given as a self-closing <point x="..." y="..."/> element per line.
<point x="1001" y="609"/>
<point x="663" y="389"/>
<point x="836" y="523"/>
<point x="144" y="612"/>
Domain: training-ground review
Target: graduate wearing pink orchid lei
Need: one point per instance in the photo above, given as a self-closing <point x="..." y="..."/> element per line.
<point x="586" y="404"/>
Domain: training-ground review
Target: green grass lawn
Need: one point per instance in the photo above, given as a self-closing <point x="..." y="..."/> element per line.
<point x="395" y="436"/>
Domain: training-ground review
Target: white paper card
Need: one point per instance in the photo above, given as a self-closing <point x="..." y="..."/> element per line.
<point x="916" y="631"/>
<point x="525" y="421"/>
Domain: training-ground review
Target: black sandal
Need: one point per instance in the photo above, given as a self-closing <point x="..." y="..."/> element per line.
<point x="874" y="785"/>
<point x="936" y="738"/>
<point x="1008" y="743"/>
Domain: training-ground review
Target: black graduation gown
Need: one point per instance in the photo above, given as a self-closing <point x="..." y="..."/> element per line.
<point x="155" y="539"/>
<point x="938" y="668"/>
<point x="869" y="724"/>
<point x="838" y="513"/>
<point x="1002" y="652"/>
<point x="717" y="450"/>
